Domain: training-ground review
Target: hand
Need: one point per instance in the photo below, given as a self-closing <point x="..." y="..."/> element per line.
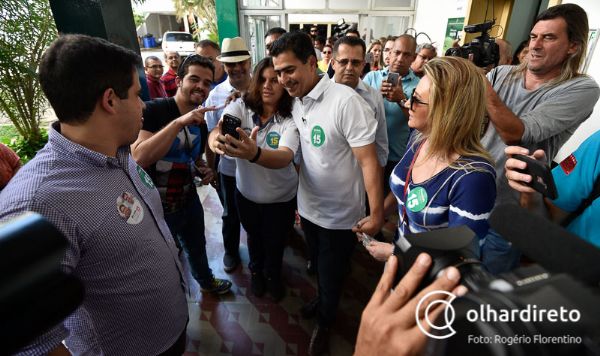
<point x="369" y="225"/>
<point x="217" y="144"/>
<point x="207" y="174"/>
<point x="235" y="94"/>
<point x="194" y="117"/>
<point x="388" y="324"/>
<point x="392" y="93"/>
<point x="381" y="251"/>
<point x="517" y="180"/>
<point x="245" y="147"/>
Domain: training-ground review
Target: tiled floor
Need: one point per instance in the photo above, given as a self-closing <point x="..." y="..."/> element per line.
<point x="240" y="324"/>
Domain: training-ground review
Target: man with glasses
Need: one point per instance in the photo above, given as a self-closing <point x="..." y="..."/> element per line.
<point x="170" y="146"/>
<point x="211" y="50"/>
<point x="339" y="162"/>
<point x="425" y="53"/>
<point x="236" y="58"/>
<point x="273" y="34"/>
<point x="387" y="48"/>
<point x="154" y="69"/>
<point x="348" y="63"/>
<point x="168" y="79"/>
<point x="396" y="115"/>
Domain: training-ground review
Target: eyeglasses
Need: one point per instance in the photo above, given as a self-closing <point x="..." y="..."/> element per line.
<point x="156" y="66"/>
<point x="354" y="62"/>
<point x="413" y="99"/>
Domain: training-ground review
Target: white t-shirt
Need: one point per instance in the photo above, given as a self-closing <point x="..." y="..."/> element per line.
<point x="255" y="182"/>
<point x="332" y="118"/>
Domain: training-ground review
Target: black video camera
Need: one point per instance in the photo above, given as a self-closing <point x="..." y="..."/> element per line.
<point x="484" y="49"/>
<point x="532" y="310"/>
<point x="342" y="28"/>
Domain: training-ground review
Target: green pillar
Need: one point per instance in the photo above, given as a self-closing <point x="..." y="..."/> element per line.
<point x="108" y="19"/>
<point x="227" y="19"/>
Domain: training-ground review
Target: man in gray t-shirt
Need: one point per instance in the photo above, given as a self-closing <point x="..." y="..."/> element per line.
<point x="538" y="104"/>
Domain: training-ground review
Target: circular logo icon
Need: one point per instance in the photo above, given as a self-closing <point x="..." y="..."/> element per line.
<point x="273" y="140"/>
<point x="130" y="208"/>
<point x="416" y="199"/>
<point x="145" y="177"/>
<point x="317" y="136"/>
<point x="449" y="314"/>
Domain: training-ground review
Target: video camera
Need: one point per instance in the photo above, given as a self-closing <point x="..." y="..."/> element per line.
<point x="535" y="296"/>
<point x="484" y="49"/>
<point x="342" y="28"/>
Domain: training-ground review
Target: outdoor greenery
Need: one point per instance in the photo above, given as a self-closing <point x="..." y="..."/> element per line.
<point x="203" y="9"/>
<point x="26" y="29"/>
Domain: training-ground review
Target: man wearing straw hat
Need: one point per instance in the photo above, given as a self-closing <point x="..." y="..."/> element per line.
<point x="236" y="58"/>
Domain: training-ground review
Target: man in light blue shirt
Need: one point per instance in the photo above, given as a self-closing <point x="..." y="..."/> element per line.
<point x="396" y="116"/>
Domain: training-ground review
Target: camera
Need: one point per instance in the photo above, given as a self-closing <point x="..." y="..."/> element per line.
<point x="537" y="309"/>
<point x="483" y="48"/>
<point x="342" y="28"/>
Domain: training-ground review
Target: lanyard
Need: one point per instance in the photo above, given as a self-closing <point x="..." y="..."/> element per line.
<point x="407" y="181"/>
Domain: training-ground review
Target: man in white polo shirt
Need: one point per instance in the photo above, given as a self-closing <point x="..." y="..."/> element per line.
<point x="339" y="160"/>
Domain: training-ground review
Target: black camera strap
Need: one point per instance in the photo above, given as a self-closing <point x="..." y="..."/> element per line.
<point x="584" y="204"/>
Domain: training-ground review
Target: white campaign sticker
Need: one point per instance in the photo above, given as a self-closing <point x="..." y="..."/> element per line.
<point x="129" y="208"/>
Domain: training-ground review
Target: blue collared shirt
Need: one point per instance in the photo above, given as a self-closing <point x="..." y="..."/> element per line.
<point x="397" y="122"/>
<point x="135" y="291"/>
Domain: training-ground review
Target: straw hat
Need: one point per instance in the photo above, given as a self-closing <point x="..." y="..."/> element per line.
<point x="233" y="50"/>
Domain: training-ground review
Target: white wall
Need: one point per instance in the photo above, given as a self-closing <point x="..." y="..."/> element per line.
<point x="592" y="124"/>
<point x="432" y="18"/>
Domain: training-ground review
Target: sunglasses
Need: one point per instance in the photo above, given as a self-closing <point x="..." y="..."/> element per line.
<point x="413" y="99"/>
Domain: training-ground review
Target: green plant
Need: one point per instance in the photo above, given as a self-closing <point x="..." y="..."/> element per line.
<point x="26" y="29"/>
<point x="26" y="149"/>
<point x="7" y="133"/>
<point x="203" y="9"/>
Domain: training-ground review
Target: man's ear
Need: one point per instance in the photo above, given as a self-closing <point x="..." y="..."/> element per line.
<point x="313" y="61"/>
<point x="178" y="81"/>
<point x="573" y="48"/>
<point x="108" y="101"/>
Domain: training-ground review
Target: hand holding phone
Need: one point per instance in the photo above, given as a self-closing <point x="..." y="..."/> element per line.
<point x="541" y="176"/>
<point x="365" y="239"/>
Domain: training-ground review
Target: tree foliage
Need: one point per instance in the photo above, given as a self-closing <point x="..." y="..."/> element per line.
<point x="26" y="29"/>
<point x="204" y="10"/>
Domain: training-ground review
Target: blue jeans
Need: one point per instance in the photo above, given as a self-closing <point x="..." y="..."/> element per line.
<point x="187" y="226"/>
<point x="498" y="255"/>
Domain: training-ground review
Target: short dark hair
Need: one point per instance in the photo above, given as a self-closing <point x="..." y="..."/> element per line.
<point x="75" y="71"/>
<point x="298" y="42"/>
<point x="150" y="58"/>
<point x="350" y="41"/>
<point x="208" y="43"/>
<point x="320" y="39"/>
<point x="353" y="30"/>
<point x="194" y="59"/>
<point x="275" y="31"/>
<point x="252" y="97"/>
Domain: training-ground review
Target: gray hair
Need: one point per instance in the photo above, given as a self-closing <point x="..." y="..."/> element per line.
<point x="428" y="46"/>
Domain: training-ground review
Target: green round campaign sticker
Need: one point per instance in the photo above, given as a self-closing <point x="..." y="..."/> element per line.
<point x="273" y="139"/>
<point x="417" y="199"/>
<point x="317" y="136"/>
<point x="145" y="178"/>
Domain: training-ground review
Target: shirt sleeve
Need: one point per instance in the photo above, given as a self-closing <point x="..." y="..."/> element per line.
<point x="357" y="121"/>
<point x="472" y="200"/>
<point x="154" y="115"/>
<point x="290" y="137"/>
<point x="575" y="176"/>
<point x="564" y="110"/>
<point x="212" y="117"/>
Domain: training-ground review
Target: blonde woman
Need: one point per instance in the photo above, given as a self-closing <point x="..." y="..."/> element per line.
<point x="445" y="178"/>
<point x="376" y="50"/>
<point x="327" y="53"/>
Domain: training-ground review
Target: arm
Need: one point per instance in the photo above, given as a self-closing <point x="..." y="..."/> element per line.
<point x="246" y="148"/>
<point x="508" y="125"/>
<point x="367" y="159"/>
<point x="388" y="324"/>
<point x="150" y="147"/>
<point x="60" y="350"/>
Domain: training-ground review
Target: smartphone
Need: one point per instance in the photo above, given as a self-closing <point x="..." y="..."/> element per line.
<point x="541" y="176"/>
<point x="393" y="78"/>
<point x="230" y="123"/>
